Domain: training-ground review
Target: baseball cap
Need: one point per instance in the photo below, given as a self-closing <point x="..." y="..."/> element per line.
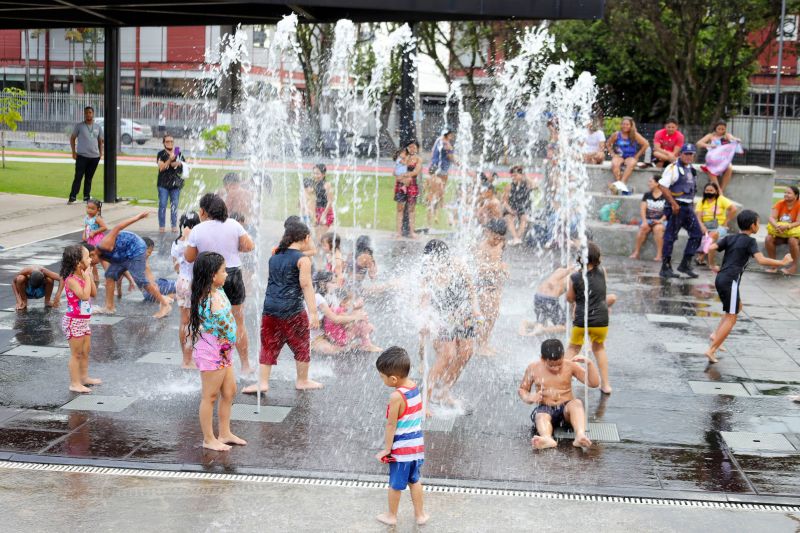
<point x="688" y="148"/>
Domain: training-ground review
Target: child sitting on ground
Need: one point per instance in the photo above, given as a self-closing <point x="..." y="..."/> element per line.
<point x="404" y="448"/>
<point x="738" y="250"/>
<point x="548" y="307"/>
<point x="354" y="333"/>
<point x="33" y="283"/>
<point x="552" y="378"/>
<point x="76" y="271"/>
<point x="492" y="273"/>
<point x="319" y="340"/>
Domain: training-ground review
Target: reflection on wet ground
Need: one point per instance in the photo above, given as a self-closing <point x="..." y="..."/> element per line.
<point x="670" y="438"/>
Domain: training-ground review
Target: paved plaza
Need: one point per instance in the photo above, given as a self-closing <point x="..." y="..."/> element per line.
<point x="724" y="433"/>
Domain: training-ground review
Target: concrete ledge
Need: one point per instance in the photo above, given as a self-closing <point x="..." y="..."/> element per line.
<point x="750" y="186"/>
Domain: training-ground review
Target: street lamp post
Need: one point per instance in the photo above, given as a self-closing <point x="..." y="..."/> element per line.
<point x="776" y="103"/>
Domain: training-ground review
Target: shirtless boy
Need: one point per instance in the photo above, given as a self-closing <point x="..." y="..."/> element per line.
<point x="492" y="273"/>
<point x="34" y="283"/>
<point x="557" y="405"/>
<point x="547" y="306"/>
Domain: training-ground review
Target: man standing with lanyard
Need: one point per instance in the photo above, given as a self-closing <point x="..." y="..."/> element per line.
<point x="88" y="137"/>
<point x="679" y="184"/>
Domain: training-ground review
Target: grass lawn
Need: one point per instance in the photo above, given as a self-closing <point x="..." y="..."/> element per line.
<point x="54" y="179"/>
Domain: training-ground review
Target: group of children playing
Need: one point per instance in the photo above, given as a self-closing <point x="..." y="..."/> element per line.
<point x="336" y="321"/>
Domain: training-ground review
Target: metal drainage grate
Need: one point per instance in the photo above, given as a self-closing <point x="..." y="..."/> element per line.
<point x="161" y="358"/>
<point x="445" y="425"/>
<point x="37" y="351"/>
<point x="430" y="486"/>
<point x="251" y="413"/>
<point x="740" y="441"/>
<point x="113" y="404"/>
<point x="686" y="347"/>
<point x="597" y="431"/>
<point x="718" y="387"/>
<point x="667" y="319"/>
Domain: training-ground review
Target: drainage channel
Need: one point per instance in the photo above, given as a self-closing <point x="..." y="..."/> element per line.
<point x="431" y="487"/>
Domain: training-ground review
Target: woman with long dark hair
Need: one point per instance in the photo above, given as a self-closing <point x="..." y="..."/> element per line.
<point x="284" y="321"/>
<point x="218" y="233"/>
<point x="449" y="292"/>
<point x="212" y="330"/>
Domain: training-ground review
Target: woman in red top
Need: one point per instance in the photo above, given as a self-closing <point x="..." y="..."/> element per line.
<point x="784" y="228"/>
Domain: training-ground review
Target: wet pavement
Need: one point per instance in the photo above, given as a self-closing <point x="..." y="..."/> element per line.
<point x="671" y="437"/>
<point x="55" y="501"/>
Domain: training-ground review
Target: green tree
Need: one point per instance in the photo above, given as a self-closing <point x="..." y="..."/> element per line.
<point x="702" y="52"/>
<point x="11" y="101"/>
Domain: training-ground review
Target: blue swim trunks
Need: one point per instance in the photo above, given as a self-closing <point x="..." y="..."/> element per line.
<point x="34" y="294"/>
<point x="403" y="473"/>
<point x="556" y="413"/>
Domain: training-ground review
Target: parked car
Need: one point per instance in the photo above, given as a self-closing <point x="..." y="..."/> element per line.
<point x="130" y="131"/>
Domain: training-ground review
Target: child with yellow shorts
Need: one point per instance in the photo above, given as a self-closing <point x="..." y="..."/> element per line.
<point x="591" y="322"/>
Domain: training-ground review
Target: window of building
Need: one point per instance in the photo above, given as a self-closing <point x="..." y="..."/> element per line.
<point x="763" y="105"/>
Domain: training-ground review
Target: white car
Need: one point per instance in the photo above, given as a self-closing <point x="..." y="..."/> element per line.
<point x="130" y="131"/>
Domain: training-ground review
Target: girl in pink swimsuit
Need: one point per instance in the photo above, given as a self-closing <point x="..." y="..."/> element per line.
<point x="76" y="271"/>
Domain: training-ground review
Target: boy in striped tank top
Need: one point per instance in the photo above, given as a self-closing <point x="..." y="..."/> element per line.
<point x="404" y="448"/>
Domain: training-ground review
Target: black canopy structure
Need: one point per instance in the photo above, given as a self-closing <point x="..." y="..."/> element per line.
<point x="114" y="14"/>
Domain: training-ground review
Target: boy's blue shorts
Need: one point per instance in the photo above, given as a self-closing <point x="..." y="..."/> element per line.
<point x="403" y="473"/>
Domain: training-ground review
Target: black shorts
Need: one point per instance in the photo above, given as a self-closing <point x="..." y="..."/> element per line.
<point x="457" y="333"/>
<point x="548" y="309"/>
<point x="234" y="286"/>
<point x="728" y="291"/>
<point x="556" y="413"/>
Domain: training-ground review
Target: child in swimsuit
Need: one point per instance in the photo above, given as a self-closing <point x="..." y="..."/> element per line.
<point x="492" y="273"/>
<point x="548" y="383"/>
<point x="76" y="271"/>
<point x="212" y="330"/>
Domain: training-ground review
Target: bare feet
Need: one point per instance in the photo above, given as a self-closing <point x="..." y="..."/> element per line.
<point x="606" y="389"/>
<point x="163" y="311"/>
<point x="246" y="369"/>
<point x="657" y="259"/>
<point x="188" y="365"/>
<point x="423" y="519"/>
<point x="771" y="270"/>
<point x="634" y="255"/>
<point x="104" y="310"/>
<point x="387" y="518"/>
<point x="92" y="381"/>
<point x="582" y="441"/>
<point x="21" y="306"/>
<point x="232" y="439"/>
<point x="253" y="389"/>
<point x="162" y="230"/>
<point x="789" y="271"/>
<point x="216" y="445"/>
<point x="714" y="268"/>
<point x="308" y="385"/>
<point x="541" y="443"/>
<point x="80" y="388"/>
<point x="711" y="356"/>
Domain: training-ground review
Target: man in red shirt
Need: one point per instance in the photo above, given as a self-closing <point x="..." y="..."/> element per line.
<point x="667" y="144"/>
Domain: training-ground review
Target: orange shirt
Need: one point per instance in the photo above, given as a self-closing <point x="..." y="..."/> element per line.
<point x="784" y="212"/>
